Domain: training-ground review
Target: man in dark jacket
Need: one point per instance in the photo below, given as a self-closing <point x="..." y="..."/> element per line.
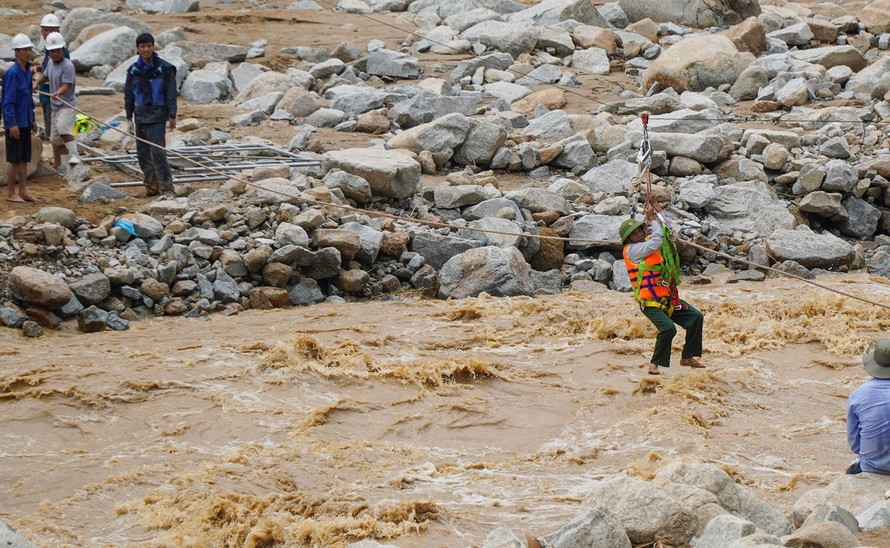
<point x="150" y="101"/>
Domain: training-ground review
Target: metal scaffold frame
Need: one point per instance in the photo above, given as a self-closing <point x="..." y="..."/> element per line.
<point x="217" y="162"/>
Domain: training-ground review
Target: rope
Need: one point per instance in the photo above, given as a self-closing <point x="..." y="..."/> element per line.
<point x="437" y="224"/>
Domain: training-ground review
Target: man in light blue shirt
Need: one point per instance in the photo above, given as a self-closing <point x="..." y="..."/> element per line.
<point x="868" y="415"/>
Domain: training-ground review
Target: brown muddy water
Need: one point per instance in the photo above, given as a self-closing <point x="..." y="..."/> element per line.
<point x="417" y="423"/>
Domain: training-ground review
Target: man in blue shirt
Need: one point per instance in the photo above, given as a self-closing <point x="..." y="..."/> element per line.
<point x="18" y="120"/>
<point x="868" y="415"/>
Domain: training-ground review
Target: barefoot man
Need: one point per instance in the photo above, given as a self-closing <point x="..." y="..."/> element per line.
<point x="651" y="267"/>
<point x="18" y="120"/>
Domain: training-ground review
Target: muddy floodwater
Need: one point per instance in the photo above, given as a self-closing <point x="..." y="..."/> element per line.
<point x="416" y="422"/>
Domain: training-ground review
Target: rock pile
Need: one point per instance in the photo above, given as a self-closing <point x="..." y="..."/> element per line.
<point x="808" y="193"/>
<point x="699" y="505"/>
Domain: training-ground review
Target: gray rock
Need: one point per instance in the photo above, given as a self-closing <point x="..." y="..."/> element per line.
<point x="35" y="286"/>
<point x="822" y="203"/>
<point x="512" y="38"/>
<point x="393" y="64"/>
<point x="172" y="6"/>
<point x="57" y="215"/>
<point x="592" y="528"/>
<point x="551" y="12"/>
<point x="695" y="13"/>
<point x="810" y="178"/>
<point x="482" y="142"/>
<point x="453" y="197"/>
<point x="544" y="74"/>
<point x="92" y="288"/>
<point x="325" y="264"/>
<point x="538" y="200"/>
<point x="495" y="61"/>
<point x="614" y="15"/>
<point x="855" y="493"/>
<point x="832" y="56"/>
<point x="592" y="61"/>
<point x="836" y="147"/>
<point x="390" y="174"/>
<point x="353" y="187"/>
<point x="12" y="316"/>
<point x="612" y="178"/>
<point x="840" y="177"/>
<point x="437" y="249"/>
<point x="327" y="68"/>
<point x="146" y="227"/>
<point x="503" y="538"/>
<point x="723" y="530"/>
<point x="832" y="512"/>
<point x="99" y="192"/>
<point x="92" y="320"/>
<point x="879" y="264"/>
<point x="749" y="83"/>
<point x="750" y="207"/>
<point x="697" y="193"/>
<point x="81" y="18"/>
<point x="809" y="249"/>
<point x="503" y="232"/>
<point x="875" y="516"/>
<point x="646" y="511"/>
<point x="576" y="152"/>
<point x="117" y="323"/>
<point x="206" y="86"/>
<point x="491" y="208"/>
<point x="370" y="240"/>
<point x="862" y="220"/>
<point x="244" y="74"/>
<point x="107" y="48"/>
<point x="9" y="537"/>
<point x="552" y="125"/>
<point x="595" y="231"/>
<point x="441" y="137"/>
<point x="305" y="293"/>
<point x="272" y="81"/>
<point x="798" y="34"/>
<point x="225" y="288"/>
<point x="208" y="52"/>
<point x="326" y="117"/>
<point x="355" y="100"/>
<point x="290" y="234"/>
<point x="705" y="149"/>
<point x="826" y="533"/>
<point x="497" y="271"/>
<point x="868" y="78"/>
<point x="413" y="111"/>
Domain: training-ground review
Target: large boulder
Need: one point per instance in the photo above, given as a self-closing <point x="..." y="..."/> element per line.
<point x="501" y="272"/>
<point x="866" y="79"/>
<point x="108" y="48"/>
<point x="81" y="18"/>
<point x="832" y="56"/>
<point x="695" y="64"/>
<point x="749" y="207"/>
<point x="437" y="249"/>
<point x="700" y="14"/>
<point x="512" y="38"/>
<point x="876" y="17"/>
<point x="551" y="12"/>
<point x="854" y="493"/>
<point x="595" y="231"/>
<point x="208" y="52"/>
<point x="441" y="137"/>
<point x="481" y="143"/>
<point x="390" y="174"/>
<point x="35" y="286"/>
<point x="591" y="528"/>
<point x="646" y="511"/>
<point x="809" y="249"/>
<point x="705" y="149"/>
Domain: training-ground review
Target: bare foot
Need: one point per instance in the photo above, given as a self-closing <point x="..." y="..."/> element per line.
<point x="653" y="369"/>
<point x="15" y="199"/>
<point x="28" y="198"/>
<point x="691" y="362"/>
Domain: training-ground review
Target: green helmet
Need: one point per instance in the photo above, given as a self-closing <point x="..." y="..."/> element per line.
<point x="627" y="227"/>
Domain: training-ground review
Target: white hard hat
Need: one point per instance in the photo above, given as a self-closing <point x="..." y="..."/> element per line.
<point x="20" y="41"/>
<point x="50" y="20"/>
<point x="54" y="41"/>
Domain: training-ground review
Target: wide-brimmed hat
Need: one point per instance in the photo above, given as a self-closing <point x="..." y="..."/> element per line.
<point x="877" y="363"/>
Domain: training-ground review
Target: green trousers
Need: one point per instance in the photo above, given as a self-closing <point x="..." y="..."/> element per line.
<point x="690" y="319"/>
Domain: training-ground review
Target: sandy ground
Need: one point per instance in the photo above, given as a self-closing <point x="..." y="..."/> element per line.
<point x="419" y="423"/>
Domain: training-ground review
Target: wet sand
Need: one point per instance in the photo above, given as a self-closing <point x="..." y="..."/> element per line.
<point x="420" y="423"/>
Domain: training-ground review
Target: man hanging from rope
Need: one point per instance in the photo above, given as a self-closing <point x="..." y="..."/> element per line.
<point x="653" y="267"/>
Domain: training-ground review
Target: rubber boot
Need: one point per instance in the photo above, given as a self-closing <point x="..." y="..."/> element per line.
<point x="74" y="159"/>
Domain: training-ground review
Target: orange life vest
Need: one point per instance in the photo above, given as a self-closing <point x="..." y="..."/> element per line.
<point x="649" y="286"/>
